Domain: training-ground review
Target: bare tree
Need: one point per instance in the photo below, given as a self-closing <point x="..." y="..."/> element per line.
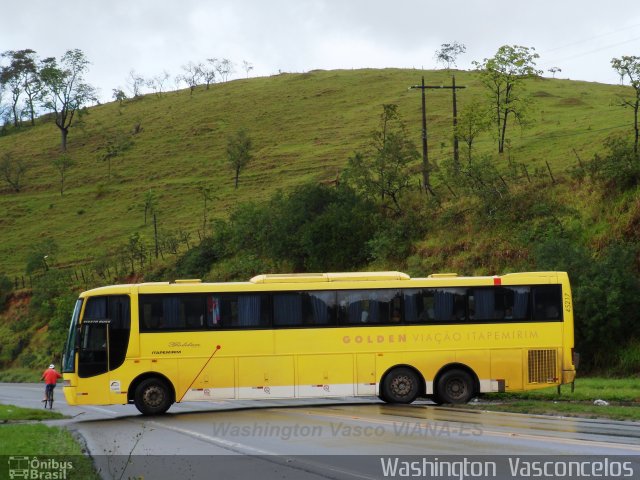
<point x="192" y="75"/>
<point x="225" y="68"/>
<point x="135" y="83"/>
<point x="13" y="170"/>
<point x="629" y="66"/>
<point x="158" y="82"/>
<point x="209" y="71"/>
<point x="247" y="67"/>
<point x="65" y="92"/>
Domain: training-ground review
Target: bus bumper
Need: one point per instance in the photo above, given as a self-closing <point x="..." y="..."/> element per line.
<point x="568" y="376"/>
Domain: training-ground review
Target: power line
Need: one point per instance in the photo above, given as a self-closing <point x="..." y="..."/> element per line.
<point x="593" y="51"/>
<point x="578" y="42"/>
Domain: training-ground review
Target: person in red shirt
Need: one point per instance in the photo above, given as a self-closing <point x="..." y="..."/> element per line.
<point x="50" y="377"/>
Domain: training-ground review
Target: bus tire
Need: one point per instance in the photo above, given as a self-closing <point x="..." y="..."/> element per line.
<point x="454" y="386"/>
<point x="152" y="397"/>
<point x="400" y="385"/>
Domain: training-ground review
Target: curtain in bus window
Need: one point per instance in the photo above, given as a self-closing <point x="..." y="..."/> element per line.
<point x="411" y="307"/>
<point x="287" y="308"/>
<point x="443" y="305"/>
<point x="484" y="303"/>
<point x="170" y="313"/>
<point x="374" y="311"/>
<point x="248" y="310"/>
<point x="320" y="307"/>
<point x="96" y="308"/>
<point x="520" y="303"/>
<point x="357" y="314"/>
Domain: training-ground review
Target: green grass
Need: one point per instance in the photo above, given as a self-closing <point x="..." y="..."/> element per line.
<point x="13" y="413"/>
<point x="567" y="409"/>
<point x="35" y="439"/>
<point x="623" y="396"/>
<point x="19" y="375"/>
<point x="46" y="443"/>
<point x="304" y="127"/>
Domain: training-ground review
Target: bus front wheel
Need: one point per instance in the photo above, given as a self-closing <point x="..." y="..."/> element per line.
<point x="152" y="397"/>
<point x="454" y="386"/>
<point x="400" y="385"/>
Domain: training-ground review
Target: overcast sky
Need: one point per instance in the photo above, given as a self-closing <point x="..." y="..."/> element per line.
<point x="152" y="36"/>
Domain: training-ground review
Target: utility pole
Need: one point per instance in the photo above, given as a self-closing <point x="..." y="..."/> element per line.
<point x="426" y="168"/>
<point x="456" y="155"/>
<point x="425" y="153"/>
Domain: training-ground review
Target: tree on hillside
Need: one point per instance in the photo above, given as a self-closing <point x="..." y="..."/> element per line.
<point x="23" y="76"/>
<point x="225" y="68"/>
<point x="114" y="146"/>
<point x="135" y="82"/>
<point x="4" y="109"/>
<point x="41" y="255"/>
<point x="65" y="92"/>
<point x="119" y="95"/>
<point x="449" y="53"/>
<point x="383" y="169"/>
<point x="207" y="196"/>
<point x="629" y="66"/>
<point x="554" y="70"/>
<point x="239" y="152"/>
<point x="12" y="170"/>
<point x="62" y="163"/>
<point x="158" y="82"/>
<point x="247" y="67"/>
<point x="503" y="75"/>
<point x="209" y="71"/>
<point x="192" y="75"/>
<point x="473" y="120"/>
<point x="20" y="77"/>
<point x="150" y="204"/>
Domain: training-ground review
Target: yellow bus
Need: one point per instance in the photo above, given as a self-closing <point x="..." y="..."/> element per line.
<point x="381" y="334"/>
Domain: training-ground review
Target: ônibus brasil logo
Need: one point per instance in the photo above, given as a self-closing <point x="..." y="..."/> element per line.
<point x="37" y="468"/>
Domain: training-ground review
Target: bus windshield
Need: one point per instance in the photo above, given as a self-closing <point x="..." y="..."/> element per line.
<point x="70" y="347"/>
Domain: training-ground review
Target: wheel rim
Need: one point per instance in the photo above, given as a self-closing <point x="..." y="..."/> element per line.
<point x="456" y="388"/>
<point x="153" y="396"/>
<point x="401" y="386"/>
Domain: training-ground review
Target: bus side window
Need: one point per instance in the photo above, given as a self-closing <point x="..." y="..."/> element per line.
<point x="287" y="309"/>
<point x="418" y="305"/>
<point x="213" y="311"/>
<point x="319" y="308"/>
<point x="193" y="311"/>
<point x="547" y="301"/>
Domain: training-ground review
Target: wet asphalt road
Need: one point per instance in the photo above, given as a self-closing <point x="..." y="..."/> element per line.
<point x="299" y="439"/>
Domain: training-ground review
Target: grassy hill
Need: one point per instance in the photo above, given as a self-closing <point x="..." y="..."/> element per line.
<point x="304" y="127"/>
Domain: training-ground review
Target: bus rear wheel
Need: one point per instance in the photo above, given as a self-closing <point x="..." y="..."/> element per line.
<point x="152" y="397"/>
<point x="400" y="385"/>
<point x="454" y="386"/>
